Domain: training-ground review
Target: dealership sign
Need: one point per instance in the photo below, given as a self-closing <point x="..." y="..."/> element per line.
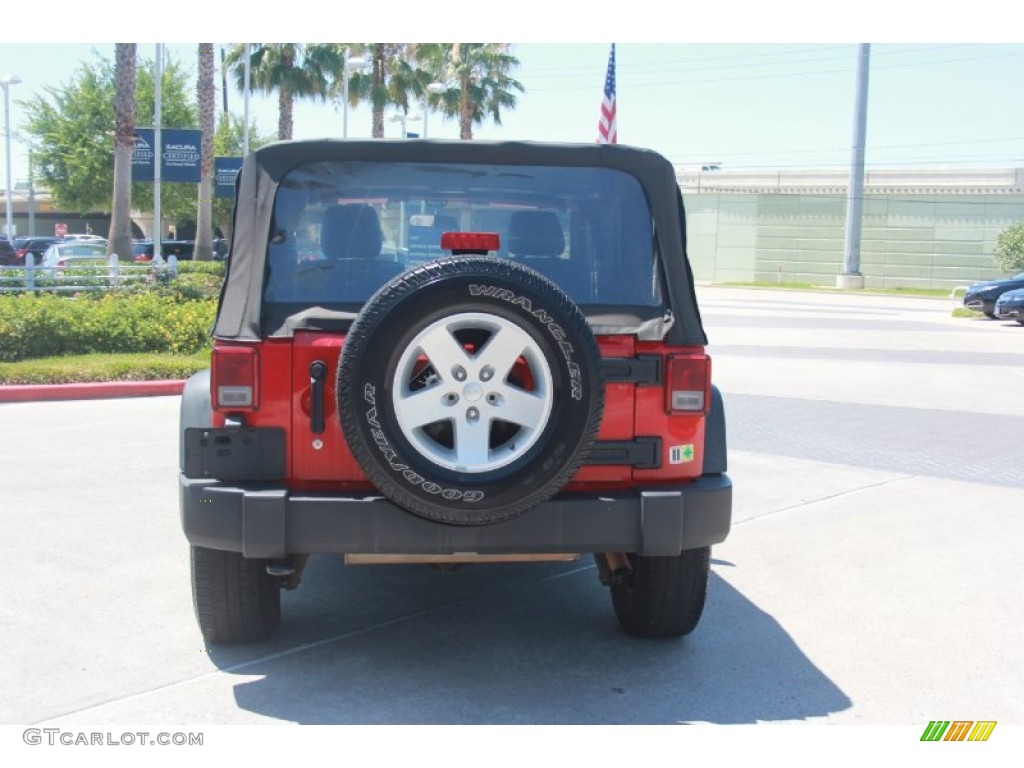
<point x="181" y="155"/>
<point x="225" y="170"/>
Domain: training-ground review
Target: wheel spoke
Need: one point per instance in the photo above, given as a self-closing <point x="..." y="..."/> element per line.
<point x="418" y="409"/>
<point x="443" y="350"/>
<point x="522" y="408"/>
<point x="472" y="442"/>
<point x="503" y="349"/>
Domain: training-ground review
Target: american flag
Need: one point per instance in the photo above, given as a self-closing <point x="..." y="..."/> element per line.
<point x="607" y="129"/>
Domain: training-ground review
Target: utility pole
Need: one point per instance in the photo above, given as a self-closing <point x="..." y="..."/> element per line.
<point x="158" y="155"/>
<point x="224" y="80"/>
<point x="851" y="276"/>
<point x="31" y="195"/>
<point x="247" y="78"/>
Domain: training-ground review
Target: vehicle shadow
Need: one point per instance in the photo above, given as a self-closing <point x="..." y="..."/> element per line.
<point x="514" y="644"/>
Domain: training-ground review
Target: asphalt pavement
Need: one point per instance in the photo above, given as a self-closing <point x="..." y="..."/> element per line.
<point x="872" y="575"/>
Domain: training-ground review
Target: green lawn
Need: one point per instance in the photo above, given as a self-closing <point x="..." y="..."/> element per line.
<point x="74" y="369"/>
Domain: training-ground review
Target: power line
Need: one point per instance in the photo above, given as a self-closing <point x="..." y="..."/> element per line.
<point x="694" y="63"/>
<point x="625" y="80"/>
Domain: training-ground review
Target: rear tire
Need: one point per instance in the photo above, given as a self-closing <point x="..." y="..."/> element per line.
<point x="235" y="599"/>
<point x="663" y="596"/>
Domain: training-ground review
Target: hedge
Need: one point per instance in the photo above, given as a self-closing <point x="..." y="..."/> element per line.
<point x="33" y="326"/>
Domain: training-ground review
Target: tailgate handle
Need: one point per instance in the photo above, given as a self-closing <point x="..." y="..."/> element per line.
<point x="317" y="375"/>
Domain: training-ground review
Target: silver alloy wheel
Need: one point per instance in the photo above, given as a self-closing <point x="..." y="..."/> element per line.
<point x="460" y="408"/>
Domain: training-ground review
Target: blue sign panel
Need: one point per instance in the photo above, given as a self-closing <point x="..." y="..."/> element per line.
<point x="142" y="155"/>
<point x="181" y="155"/>
<point x="225" y="169"/>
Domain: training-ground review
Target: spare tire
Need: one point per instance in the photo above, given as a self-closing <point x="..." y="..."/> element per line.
<point x="469" y="389"/>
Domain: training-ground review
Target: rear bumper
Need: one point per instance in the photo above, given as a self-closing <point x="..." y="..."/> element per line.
<point x="273" y="523"/>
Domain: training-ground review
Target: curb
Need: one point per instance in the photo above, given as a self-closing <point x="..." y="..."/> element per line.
<point x="25" y="393"/>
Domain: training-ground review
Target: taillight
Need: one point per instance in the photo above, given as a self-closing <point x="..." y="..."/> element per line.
<point x="20" y="253"/>
<point x="470" y="242"/>
<point x="688" y="383"/>
<point x="235" y="379"/>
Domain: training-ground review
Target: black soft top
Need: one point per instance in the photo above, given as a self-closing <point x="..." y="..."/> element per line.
<point x="240" y="315"/>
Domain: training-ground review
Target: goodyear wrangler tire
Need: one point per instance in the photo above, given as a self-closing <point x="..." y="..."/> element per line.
<point x="663" y="596"/>
<point x="469" y="390"/>
<point x="235" y="599"/>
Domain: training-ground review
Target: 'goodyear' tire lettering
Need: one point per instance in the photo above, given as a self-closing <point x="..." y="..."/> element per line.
<point x="391" y="455"/>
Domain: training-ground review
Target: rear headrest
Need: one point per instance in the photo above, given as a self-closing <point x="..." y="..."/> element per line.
<point x="350" y="232"/>
<point x="535" y="233"/>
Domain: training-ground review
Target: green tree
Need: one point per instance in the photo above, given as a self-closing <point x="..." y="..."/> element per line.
<point x="119" y="239"/>
<point x="478" y="78"/>
<point x="203" y="250"/>
<point x="389" y="82"/>
<point x="1009" y="253"/>
<point x="72" y="126"/>
<point x="291" y="70"/>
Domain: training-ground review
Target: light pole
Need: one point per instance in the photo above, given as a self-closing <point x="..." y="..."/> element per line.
<point x="403" y="118"/>
<point x="346" y="62"/>
<point x="7" y="81"/>
<point x="432" y="88"/>
<point x="31" y="183"/>
<point x="247" y="81"/>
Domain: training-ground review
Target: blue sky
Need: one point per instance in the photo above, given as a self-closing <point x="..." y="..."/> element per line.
<point x="772" y="92"/>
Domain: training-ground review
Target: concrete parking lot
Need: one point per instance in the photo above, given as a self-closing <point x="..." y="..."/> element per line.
<point x="872" y="575"/>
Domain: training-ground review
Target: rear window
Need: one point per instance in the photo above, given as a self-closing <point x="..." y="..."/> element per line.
<point x="341" y="229"/>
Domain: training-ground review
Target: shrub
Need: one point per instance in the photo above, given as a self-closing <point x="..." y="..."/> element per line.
<point x="191" y="285"/>
<point x="33" y="326"/>
<point x="1009" y="253"/>
<point x="201" y="267"/>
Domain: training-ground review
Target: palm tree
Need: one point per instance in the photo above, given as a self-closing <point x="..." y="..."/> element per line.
<point x="390" y="81"/>
<point x="119" y="239"/>
<point x="207" y="101"/>
<point x="292" y="70"/>
<point x="478" y="79"/>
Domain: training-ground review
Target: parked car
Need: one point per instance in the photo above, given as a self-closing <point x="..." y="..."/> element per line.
<point x="142" y="250"/>
<point x="63" y="255"/>
<point x="541" y="391"/>
<point x="7" y="251"/>
<point x="85" y="238"/>
<point x="1010" y="306"/>
<point x="35" y="245"/>
<point x="981" y="297"/>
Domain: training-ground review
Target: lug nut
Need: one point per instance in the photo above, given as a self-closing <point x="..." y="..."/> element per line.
<point x="486" y="373"/>
<point x="472" y="414"/>
<point x="459" y="373"/>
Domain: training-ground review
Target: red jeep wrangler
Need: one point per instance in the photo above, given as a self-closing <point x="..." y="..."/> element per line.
<point x="451" y="352"/>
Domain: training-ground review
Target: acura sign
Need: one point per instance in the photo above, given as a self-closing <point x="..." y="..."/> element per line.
<point x="181" y="155"/>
